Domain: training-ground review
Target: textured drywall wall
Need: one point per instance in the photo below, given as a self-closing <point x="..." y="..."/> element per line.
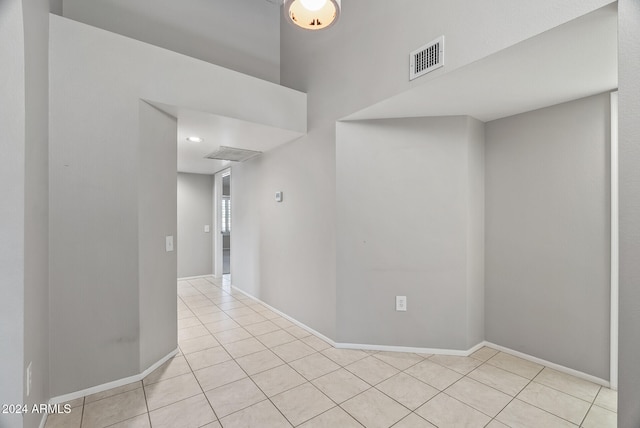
<point x="548" y="233"/>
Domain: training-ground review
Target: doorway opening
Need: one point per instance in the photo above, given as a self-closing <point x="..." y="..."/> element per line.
<point x="222" y="221"/>
<point x="225" y="209"/>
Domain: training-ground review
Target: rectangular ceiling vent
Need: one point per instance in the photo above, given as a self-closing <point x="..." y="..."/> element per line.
<point x="427" y="58"/>
<point x="232" y="154"/>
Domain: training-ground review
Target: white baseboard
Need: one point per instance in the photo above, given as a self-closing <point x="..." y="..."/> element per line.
<point x="455" y="352"/>
<point x="283" y="315"/>
<point x="439" y="351"/>
<point x="464" y="353"/>
<point x="116" y="383"/>
<point x="557" y="367"/>
<point x="195" y="277"/>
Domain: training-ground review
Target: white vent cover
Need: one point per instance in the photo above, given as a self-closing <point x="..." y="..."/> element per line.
<point x="427" y="58"/>
<point x="232" y="154"/>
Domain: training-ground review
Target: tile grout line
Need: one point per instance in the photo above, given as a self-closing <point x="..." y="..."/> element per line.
<point x="146" y="403"/>
<point x="249" y="377"/>
<point x="344" y="367"/>
<point x="198" y="381"/>
<point x="82" y="415"/>
<point x="515" y="396"/>
<point x="540" y="408"/>
<point x="590" y="407"/>
<point x="267" y="397"/>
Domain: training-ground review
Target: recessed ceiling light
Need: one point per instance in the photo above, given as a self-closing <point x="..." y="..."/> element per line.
<point x="195" y="139"/>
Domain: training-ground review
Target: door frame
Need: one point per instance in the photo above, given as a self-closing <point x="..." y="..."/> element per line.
<point x="613" y="361"/>
<point x="217" y="221"/>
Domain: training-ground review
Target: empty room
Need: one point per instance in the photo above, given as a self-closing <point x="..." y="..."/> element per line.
<point x="319" y="213"/>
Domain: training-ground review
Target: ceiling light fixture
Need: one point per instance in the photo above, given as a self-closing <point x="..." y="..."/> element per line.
<point x="195" y="139"/>
<point x="312" y="14"/>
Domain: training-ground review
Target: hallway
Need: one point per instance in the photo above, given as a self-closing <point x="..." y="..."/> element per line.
<point x="242" y="365"/>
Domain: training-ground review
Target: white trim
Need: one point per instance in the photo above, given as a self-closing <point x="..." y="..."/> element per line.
<point x="549" y="364"/>
<point x="196" y="277"/>
<point x="217" y="222"/>
<point x="283" y="315"/>
<point x="463" y="353"/>
<point x="438" y="351"/>
<point x="613" y="361"/>
<point x="455" y="352"/>
<point x="114" y="384"/>
<point x="43" y="421"/>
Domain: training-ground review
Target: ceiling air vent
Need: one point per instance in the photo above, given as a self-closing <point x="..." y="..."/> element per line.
<point x="232" y="154"/>
<point x="427" y="58"/>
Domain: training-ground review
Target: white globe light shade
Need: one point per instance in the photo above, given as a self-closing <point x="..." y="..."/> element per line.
<point x="312" y="14"/>
<point x="313" y="5"/>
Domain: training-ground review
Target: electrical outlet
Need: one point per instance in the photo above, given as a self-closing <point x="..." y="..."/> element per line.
<point x="29" y="375"/>
<point x="169" y="243"/>
<point x="401" y="303"/>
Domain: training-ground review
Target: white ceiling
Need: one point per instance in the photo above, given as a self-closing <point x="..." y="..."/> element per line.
<point x="216" y="131"/>
<point x="574" y="60"/>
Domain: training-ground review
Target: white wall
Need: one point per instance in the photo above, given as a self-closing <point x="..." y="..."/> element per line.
<point x="36" y="267"/>
<point x="408" y="196"/>
<point x="243" y="35"/>
<point x="548" y="233"/>
<point x="157" y="218"/>
<point x="284" y="253"/>
<point x="12" y="191"/>
<point x="97" y="81"/>
<point x="55" y="6"/>
<point x="195" y="210"/>
<point x="629" y="173"/>
<point x="475" y="263"/>
<point x="23" y="215"/>
<point x="360" y="61"/>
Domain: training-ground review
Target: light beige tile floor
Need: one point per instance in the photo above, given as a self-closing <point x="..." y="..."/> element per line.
<point x="243" y="365"/>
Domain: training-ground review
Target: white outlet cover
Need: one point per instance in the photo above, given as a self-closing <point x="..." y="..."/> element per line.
<point x="169" y="244"/>
<point x="401" y="303"/>
<point x="207" y="228"/>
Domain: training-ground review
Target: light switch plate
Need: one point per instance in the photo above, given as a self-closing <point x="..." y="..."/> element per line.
<point x="207" y="228"/>
<point x="278" y="196"/>
<point x="169" y="244"/>
<point x="401" y="303"/>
